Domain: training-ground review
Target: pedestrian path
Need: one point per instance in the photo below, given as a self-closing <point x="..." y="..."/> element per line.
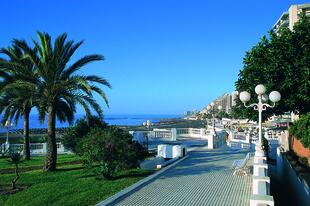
<point x="204" y="178"/>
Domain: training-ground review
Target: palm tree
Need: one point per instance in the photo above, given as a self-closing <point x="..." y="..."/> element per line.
<point x="61" y="87"/>
<point x="18" y="90"/>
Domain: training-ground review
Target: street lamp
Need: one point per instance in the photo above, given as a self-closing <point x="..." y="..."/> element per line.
<point x="260" y="90"/>
<point x="210" y="108"/>
<point x="7" y="125"/>
<point x="147" y="124"/>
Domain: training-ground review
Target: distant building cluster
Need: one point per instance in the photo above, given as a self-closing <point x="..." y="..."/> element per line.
<point x="290" y="17"/>
<point x="189" y="113"/>
<point x="286" y="20"/>
<point x="227" y="101"/>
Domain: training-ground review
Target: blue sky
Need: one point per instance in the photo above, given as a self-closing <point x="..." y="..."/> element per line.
<point x="162" y="56"/>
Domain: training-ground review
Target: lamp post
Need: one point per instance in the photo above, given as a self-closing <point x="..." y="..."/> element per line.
<point x="260" y="90"/>
<point x="210" y="108"/>
<point x="148" y="124"/>
<point x="7" y="125"/>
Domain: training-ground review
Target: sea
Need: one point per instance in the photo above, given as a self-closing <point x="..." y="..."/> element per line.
<point x="126" y="120"/>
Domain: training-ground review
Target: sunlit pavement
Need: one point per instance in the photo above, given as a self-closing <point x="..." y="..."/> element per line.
<point x="204" y="178"/>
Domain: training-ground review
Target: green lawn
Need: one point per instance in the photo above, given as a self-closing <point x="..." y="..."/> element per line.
<point x="70" y="185"/>
<point x="38" y="161"/>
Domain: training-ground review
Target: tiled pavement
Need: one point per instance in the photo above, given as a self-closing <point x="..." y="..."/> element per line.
<point x="204" y="178"/>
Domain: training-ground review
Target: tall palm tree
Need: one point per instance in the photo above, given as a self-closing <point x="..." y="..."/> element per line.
<point x="18" y="89"/>
<point x="61" y="86"/>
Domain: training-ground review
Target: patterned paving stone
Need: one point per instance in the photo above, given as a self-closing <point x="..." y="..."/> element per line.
<point x="204" y="178"/>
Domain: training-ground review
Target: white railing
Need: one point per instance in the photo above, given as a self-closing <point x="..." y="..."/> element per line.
<point x="39" y="148"/>
<point x="261" y="183"/>
<point x="173" y="134"/>
<point x="240" y="140"/>
<point x="166" y="134"/>
<point x="191" y="132"/>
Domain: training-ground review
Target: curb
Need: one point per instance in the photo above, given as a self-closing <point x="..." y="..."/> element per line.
<point x="137" y="185"/>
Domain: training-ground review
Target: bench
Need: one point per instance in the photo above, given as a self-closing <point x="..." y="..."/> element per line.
<point x="241" y="165"/>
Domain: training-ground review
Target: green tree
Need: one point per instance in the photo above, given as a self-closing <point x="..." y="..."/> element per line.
<point x="61" y="86"/>
<point x="280" y="62"/>
<point x="113" y="149"/>
<point x="18" y="89"/>
<point x="301" y="130"/>
<point x="222" y="114"/>
<point x="15" y="158"/>
<point x="72" y="137"/>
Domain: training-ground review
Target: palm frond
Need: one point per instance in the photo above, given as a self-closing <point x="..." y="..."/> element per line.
<point x="80" y="63"/>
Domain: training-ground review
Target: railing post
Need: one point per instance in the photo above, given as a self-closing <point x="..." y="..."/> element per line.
<point x="44" y="148"/>
<point x="173" y="134"/>
<point x="211" y="141"/>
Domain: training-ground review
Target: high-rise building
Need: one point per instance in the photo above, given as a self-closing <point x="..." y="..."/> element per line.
<point x="290" y="17"/>
<point x="234" y="97"/>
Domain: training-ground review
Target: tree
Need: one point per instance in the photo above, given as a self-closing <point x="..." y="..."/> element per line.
<point x="113" y="149"/>
<point x="222" y="114"/>
<point x="280" y="62"/>
<point x="60" y="85"/>
<point x="301" y="130"/>
<point x="18" y="89"/>
<point x="15" y="159"/>
<point x="72" y="137"/>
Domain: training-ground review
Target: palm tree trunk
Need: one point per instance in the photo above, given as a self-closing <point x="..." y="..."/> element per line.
<point x="51" y="156"/>
<point x="26" y="135"/>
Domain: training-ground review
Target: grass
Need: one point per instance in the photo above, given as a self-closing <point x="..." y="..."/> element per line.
<point x="70" y="185"/>
<point x="38" y="161"/>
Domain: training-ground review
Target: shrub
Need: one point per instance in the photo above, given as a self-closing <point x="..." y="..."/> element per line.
<point x="303" y="161"/>
<point x="113" y="149"/>
<point x="72" y="136"/>
<point x="265" y="146"/>
<point x="301" y="130"/>
<point x="15" y="159"/>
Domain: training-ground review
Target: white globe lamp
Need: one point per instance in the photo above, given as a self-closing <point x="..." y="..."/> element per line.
<point x="260" y="89"/>
<point x="275" y="96"/>
<point x="245" y="96"/>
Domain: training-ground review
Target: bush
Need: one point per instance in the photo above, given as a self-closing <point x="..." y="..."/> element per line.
<point x="301" y="130"/>
<point x="113" y="149"/>
<point x="265" y="146"/>
<point x="15" y="158"/>
<point x="303" y="161"/>
<point x="72" y="136"/>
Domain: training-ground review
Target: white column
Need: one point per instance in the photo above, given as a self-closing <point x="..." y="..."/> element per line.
<point x="259" y="151"/>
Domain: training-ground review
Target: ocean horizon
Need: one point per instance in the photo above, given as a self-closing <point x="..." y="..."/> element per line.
<point x="111" y="119"/>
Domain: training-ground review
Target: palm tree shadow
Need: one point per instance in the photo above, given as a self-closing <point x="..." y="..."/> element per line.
<point x="133" y="174"/>
<point x="69" y="169"/>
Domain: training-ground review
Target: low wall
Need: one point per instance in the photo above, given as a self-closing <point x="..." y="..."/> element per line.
<point x="295" y="184"/>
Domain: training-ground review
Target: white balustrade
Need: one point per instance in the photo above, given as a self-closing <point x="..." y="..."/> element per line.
<point x="39" y="148"/>
<point x="173" y="134"/>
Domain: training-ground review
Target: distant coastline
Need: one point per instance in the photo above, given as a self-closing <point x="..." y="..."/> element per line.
<point x="120" y="120"/>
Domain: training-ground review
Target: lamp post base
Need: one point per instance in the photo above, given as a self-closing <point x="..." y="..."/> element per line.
<point x="259" y="152"/>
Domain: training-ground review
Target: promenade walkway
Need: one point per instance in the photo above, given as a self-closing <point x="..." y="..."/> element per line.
<point x="204" y="178"/>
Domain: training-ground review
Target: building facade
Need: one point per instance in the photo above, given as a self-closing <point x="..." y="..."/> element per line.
<point x="290" y="17"/>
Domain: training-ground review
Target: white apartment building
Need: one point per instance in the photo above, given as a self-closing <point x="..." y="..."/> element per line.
<point x="290" y="17"/>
